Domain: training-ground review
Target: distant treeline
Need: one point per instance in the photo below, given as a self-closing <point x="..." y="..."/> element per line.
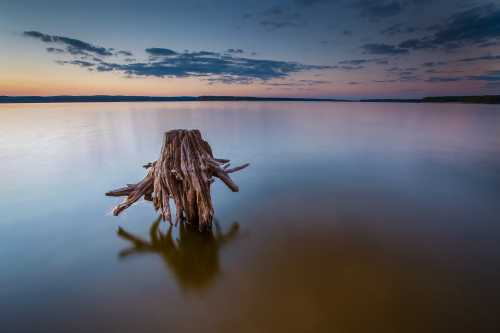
<point x="107" y="98"/>
<point x="487" y="99"/>
<point x="95" y="98"/>
<point x="392" y="100"/>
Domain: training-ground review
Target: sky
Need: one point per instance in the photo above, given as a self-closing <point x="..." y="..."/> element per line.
<point x="294" y="48"/>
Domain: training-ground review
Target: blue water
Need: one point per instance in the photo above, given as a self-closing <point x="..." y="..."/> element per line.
<point x="353" y="217"/>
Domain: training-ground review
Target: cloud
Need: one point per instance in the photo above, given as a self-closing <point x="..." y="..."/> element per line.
<point x="377" y="9"/>
<point x="221" y="68"/>
<point x="478" y="26"/>
<point x="298" y="13"/>
<point x="385" y="81"/>
<point x="55" y="50"/>
<point x="363" y="61"/>
<point x="493" y="86"/>
<point x="314" y="82"/>
<point x="201" y="54"/>
<point x="235" y="51"/>
<point x="490" y="76"/>
<point x="450" y="71"/>
<point x="373" y="9"/>
<point x="433" y="63"/>
<point x="299" y="83"/>
<point x="351" y="68"/>
<point x="383" y="49"/>
<point x="443" y="79"/>
<point x="158" y="51"/>
<point x="307" y="3"/>
<point x="406" y="78"/>
<point x="353" y="62"/>
<point x="481" y="58"/>
<point x="274" y="25"/>
<point x="163" y="62"/>
<point x="277" y="17"/>
<point x="488" y="44"/>
<point x="393" y="69"/>
<point x="417" y="44"/>
<point x="397" y="29"/>
<point x="73" y="46"/>
<point x="473" y="26"/>
<point x="80" y="63"/>
<point x="124" y="53"/>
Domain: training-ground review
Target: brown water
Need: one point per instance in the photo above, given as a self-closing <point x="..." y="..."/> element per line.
<point x="352" y="218"/>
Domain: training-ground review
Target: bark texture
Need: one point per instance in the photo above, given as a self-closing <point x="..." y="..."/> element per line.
<point x="184" y="172"/>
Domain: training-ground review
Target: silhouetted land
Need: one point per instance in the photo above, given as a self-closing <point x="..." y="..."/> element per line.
<point x="107" y="98"/>
<point x="486" y="99"/>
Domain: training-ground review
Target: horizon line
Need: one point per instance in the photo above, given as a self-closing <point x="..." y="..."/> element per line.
<point x="5" y="99"/>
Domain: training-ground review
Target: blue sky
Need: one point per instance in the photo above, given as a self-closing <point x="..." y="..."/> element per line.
<point x="315" y="48"/>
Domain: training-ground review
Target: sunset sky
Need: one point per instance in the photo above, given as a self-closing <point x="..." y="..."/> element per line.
<point x="298" y="48"/>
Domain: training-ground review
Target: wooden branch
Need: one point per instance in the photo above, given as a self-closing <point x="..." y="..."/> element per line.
<point x="241" y="167"/>
<point x="183" y="173"/>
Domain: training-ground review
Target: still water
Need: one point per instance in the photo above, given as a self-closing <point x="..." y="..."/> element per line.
<point x="351" y="218"/>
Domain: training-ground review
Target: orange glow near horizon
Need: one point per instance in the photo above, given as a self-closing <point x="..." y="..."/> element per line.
<point x="50" y="79"/>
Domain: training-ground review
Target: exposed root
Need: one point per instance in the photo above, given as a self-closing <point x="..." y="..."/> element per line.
<point x="184" y="172"/>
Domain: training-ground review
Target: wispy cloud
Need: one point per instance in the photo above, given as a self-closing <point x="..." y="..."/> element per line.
<point x="442" y="79"/>
<point x="489" y="76"/>
<point x="378" y="9"/>
<point x="277" y="17"/>
<point x="470" y="27"/>
<point x="378" y="61"/>
<point x="383" y="49"/>
<point x="278" y="24"/>
<point x="298" y="83"/>
<point x="433" y="63"/>
<point x="480" y="58"/>
<point x="476" y="26"/>
<point x="397" y="29"/>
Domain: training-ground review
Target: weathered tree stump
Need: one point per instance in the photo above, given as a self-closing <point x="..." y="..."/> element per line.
<point x="184" y="172"/>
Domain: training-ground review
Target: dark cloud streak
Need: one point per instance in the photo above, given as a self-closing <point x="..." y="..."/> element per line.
<point x="158" y="51"/>
<point x="73" y="46"/>
<point x="383" y="49"/>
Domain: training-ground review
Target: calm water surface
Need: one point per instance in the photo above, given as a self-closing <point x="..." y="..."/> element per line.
<point x="352" y="218"/>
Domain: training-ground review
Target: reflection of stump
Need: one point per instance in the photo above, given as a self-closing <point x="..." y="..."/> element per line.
<point x="192" y="257"/>
<point x="184" y="173"/>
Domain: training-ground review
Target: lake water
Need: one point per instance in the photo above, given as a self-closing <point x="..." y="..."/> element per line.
<point x="353" y="217"/>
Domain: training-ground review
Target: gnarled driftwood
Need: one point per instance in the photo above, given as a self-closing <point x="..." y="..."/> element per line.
<point x="184" y="172"/>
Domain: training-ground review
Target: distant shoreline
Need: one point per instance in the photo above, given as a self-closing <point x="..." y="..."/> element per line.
<point x="486" y="99"/>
